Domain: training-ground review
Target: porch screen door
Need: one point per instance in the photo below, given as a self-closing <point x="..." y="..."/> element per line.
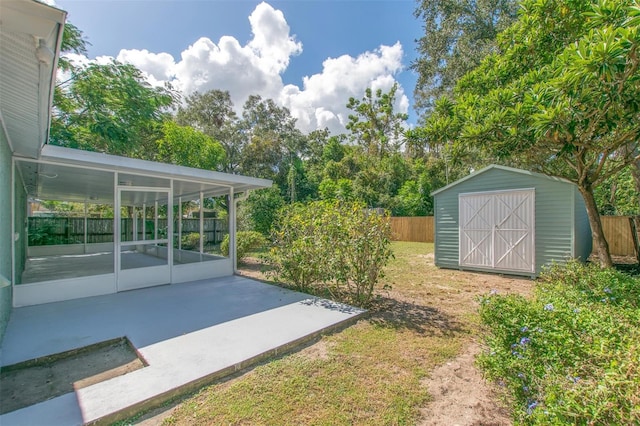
<point x="497" y="230"/>
<point x="144" y="255"/>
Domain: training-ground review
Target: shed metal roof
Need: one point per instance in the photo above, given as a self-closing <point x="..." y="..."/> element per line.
<point x="498" y="167"/>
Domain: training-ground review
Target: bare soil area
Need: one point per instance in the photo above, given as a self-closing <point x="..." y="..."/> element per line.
<point x="45" y="378"/>
<point x="461" y="396"/>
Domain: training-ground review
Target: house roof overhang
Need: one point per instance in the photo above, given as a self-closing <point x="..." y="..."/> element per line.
<point x="68" y="174"/>
<point x="30" y="38"/>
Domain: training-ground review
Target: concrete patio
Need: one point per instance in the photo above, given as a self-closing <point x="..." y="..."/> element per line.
<point x="189" y="334"/>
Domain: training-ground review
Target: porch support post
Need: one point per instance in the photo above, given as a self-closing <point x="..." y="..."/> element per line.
<point x="201" y="223"/>
<point x="144" y="221"/>
<point x="117" y="221"/>
<point x="155" y="220"/>
<point x="85" y="227"/>
<point x="134" y="213"/>
<point x="170" y="230"/>
<point x="232" y="231"/>
<point x="179" y="223"/>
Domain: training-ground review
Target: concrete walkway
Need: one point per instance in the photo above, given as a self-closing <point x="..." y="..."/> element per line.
<point x="189" y="334"/>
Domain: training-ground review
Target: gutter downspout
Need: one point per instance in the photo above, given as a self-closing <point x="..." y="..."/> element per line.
<point x="243" y="197"/>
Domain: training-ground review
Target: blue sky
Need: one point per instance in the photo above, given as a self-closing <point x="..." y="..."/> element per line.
<point x="308" y="55"/>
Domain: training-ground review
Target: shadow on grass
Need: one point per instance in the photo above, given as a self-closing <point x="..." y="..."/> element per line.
<point x="427" y="320"/>
<point x="630" y="268"/>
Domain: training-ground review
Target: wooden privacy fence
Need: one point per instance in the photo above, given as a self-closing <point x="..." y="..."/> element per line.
<point x="70" y="230"/>
<point x="419" y="229"/>
<point x="617" y="231"/>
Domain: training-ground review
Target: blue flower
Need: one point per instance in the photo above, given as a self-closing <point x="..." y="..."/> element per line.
<point x="524" y="329"/>
<point x="521" y="375"/>
<point x="524" y="341"/>
<point x="525" y="389"/>
<point x="548" y="307"/>
<point x="532" y="406"/>
<point x="608" y="290"/>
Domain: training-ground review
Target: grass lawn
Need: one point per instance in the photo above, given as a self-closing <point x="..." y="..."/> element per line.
<point x="371" y="373"/>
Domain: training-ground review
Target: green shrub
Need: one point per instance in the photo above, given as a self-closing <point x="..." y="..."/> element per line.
<point x="260" y="209"/>
<point x="247" y="241"/>
<point x="334" y="248"/>
<point x="571" y="355"/>
<point x="191" y="241"/>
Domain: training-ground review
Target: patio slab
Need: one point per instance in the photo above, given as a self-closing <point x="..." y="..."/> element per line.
<point x="189" y="334"/>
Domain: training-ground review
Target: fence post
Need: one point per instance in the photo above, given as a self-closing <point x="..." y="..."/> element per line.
<point x="634" y="235"/>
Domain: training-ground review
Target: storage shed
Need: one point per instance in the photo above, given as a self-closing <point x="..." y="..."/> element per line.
<point x="511" y="221"/>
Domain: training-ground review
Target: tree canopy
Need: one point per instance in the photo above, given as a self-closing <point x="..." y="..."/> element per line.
<point x="458" y="34"/>
<point x="105" y="107"/>
<point x="562" y="97"/>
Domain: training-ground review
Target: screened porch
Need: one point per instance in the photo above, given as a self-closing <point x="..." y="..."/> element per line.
<point x="136" y="224"/>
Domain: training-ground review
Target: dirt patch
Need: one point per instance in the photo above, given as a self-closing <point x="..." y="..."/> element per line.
<point x="44" y="378"/>
<point x="252" y="267"/>
<point x="460" y="395"/>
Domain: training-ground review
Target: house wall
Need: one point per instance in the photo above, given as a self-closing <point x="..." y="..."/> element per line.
<point x="554" y="215"/>
<point x="5" y="232"/>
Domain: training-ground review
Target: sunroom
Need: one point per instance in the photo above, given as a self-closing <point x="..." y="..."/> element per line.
<point x="143" y="240"/>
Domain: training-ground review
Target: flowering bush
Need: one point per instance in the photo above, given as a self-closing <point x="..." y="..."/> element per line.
<point x="571" y="354"/>
<point x="332" y="248"/>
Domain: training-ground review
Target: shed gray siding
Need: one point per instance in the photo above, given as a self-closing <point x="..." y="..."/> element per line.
<point x="583" y="239"/>
<point x="555" y="204"/>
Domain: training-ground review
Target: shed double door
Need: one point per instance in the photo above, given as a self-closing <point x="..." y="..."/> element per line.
<point x="497" y="230"/>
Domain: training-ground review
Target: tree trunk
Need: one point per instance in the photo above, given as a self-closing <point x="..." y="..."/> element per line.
<point x="601" y="245"/>
<point x="635" y="172"/>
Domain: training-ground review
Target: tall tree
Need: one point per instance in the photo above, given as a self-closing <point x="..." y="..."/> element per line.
<point x="186" y="146"/>
<point x="458" y="34"/>
<point x="213" y="114"/>
<point x="563" y="98"/>
<point x="374" y="125"/>
<point x="105" y="107"/>
<point x="275" y="146"/>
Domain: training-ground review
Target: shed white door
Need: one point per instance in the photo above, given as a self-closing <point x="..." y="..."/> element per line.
<point x="497" y="230"/>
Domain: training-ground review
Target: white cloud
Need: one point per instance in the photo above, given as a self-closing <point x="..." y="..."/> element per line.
<point x="257" y="67"/>
<point x="322" y="101"/>
<point x="158" y="67"/>
<point x="271" y="42"/>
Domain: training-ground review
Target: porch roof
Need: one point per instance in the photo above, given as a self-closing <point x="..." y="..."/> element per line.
<point x="74" y="175"/>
